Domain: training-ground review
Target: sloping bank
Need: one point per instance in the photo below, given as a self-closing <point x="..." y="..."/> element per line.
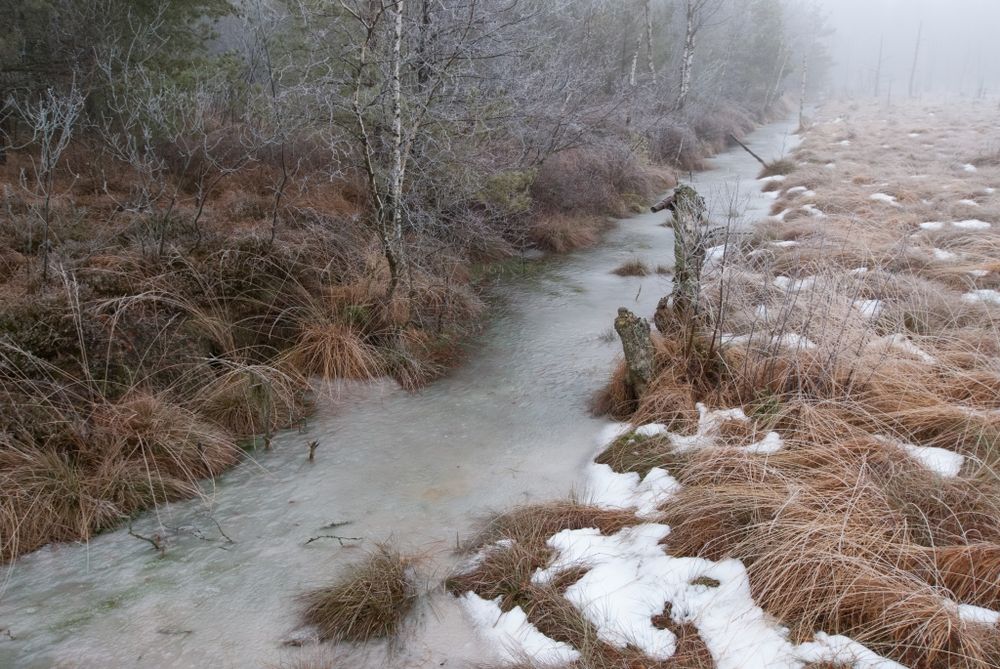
<point x="810" y="478"/>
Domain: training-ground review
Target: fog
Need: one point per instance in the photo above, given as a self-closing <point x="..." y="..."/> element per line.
<point x="959" y="50"/>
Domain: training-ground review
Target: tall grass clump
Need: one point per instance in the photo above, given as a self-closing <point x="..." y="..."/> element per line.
<point x="371" y="601"/>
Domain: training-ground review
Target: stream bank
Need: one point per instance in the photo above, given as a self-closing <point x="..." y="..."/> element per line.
<point x="508" y="427"/>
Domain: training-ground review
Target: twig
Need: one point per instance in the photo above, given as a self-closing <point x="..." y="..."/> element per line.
<point x="334" y="536"/>
<point x="221" y="531"/>
<point x="156" y="541"/>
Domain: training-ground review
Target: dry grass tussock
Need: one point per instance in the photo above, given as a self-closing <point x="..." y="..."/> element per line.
<point x="862" y="330"/>
<point x="371" y="601"/>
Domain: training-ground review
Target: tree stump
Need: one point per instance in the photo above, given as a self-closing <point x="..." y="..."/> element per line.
<point x="638" y="348"/>
<point x="689" y="212"/>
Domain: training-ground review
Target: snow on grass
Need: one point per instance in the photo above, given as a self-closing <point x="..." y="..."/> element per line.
<point x="842" y="651"/>
<point x="968" y="203"/>
<point x="973" y="224"/>
<point x="943" y="255"/>
<point x="812" y="210"/>
<point x="611" y="432"/>
<point x="977" y="615"/>
<point x="859" y="271"/>
<point x="631" y="580"/>
<point x="795" y="341"/>
<point x="775" y="178"/>
<point x="984" y="295"/>
<point x="785" y="244"/>
<point x="788" y="284"/>
<point x="989" y="190"/>
<point x="942" y="462"/>
<point x="969" y="167"/>
<point x="870" y="308"/>
<point x="902" y="344"/>
<point x="831" y="166"/>
<point x="715" y="255"/>
<point x="781" y="216"/>
<point x="979" y="273"/>
<point x="608" y="489"/>
<point x="512" y="636"/>
<point x="884" y="198"/>
<point x="968" y="224"/>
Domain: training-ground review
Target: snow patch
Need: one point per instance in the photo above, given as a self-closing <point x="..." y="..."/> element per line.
<point x="608" y="489"/>
<point x="812" y="210"/>
<point x="942" y="462"/>
<point x="776" y="178"/>
<point x="932" y="225"/>
<point x="983" y="295"/>
<point x="977" y="615"/>
<point x="842" y="650"/>
<point x="785" y="244"/>
<point x="514" y="638"/>
<point x="973" y="224"/>
<point x="969" y="167"/>
<point x="968" y="203"/>
<point x="884" y="198"/>
<point x="903" y="344"/>
<point x="870" y="308"/>
<point x="944" y="256"/>
<point x="631" y="580"/>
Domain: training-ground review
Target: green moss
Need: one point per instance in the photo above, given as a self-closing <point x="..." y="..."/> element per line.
<point x="637" y="453"/>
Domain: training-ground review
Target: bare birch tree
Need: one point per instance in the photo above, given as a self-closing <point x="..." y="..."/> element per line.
<point x="697" y="13"/>
<point x="51" y="119"/>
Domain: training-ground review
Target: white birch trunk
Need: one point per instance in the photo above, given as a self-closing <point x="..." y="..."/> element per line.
<point x="396" y="173"/>
<point x="687" y="61"/>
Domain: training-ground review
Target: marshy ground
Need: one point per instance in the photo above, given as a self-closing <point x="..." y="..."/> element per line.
<point x="812" y="477"/>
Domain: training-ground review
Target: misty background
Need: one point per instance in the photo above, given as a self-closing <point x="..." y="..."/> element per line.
<point x="959" y="50"/>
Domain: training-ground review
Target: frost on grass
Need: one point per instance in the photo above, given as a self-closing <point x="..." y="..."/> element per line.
<point x="512" y="636"/>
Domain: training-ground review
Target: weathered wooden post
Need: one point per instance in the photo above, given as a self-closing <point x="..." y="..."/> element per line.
<point x="637" y="345"/>
<point x="689" y="213"/>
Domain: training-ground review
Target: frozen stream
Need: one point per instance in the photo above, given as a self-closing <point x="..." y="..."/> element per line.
<point x="509" y="426"/>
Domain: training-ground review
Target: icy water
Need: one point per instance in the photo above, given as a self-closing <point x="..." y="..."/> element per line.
<point x="508" y="427"/>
